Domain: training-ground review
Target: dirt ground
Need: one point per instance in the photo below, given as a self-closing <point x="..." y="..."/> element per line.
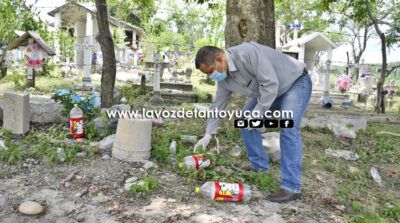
<point x="173" y="201"/>
<point x="334" y="190"/>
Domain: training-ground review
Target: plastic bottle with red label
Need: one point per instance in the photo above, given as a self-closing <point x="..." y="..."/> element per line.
<point x="221" y="191"/>
<point x="196" y="162"/>
<point x="76" y="122"/>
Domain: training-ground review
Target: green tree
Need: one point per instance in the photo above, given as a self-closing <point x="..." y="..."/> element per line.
<point x="66" y="43"/>
<point x="380" y="13"/>
<point x="13" y="14"/>
<point x="195" y="22"/>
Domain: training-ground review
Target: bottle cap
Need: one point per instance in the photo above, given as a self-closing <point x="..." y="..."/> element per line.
<point x="75" y="105"/>
<point x="180" y="165"/>
<point x="197" y="190"/>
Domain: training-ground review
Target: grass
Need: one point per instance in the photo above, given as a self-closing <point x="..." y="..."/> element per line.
<point x="39" y="144"/>
<point x="227" y="136"/>
<point x="16" y="80"/>
<point x="349" y="183"/>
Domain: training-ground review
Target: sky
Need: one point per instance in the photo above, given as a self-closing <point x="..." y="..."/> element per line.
<point x="372" y="54"/>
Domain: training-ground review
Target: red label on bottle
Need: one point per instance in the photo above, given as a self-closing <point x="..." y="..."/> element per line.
<point x="76" y="125"/>
<point x="200" y="162"/>
<point x="228" y="192"/>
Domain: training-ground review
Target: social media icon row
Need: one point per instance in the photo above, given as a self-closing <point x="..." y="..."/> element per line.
<point x="258" y="123"/>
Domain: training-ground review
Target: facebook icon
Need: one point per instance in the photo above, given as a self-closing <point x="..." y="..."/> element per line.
<point x="286" y="123"/>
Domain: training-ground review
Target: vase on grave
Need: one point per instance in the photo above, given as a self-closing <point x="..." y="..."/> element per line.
<point x="346" y="100"/>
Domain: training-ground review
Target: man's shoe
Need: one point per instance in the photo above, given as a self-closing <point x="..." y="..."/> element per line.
<point x="249" y="169"/>
<point x="283" y="196"/>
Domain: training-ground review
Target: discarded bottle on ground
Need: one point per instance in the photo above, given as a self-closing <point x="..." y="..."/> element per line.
<point x="220" y="191"/>
<point x="61" y="154"/>
<point x="76" y="121"/>
<point x="196" y="162"/>
<point x="172" y="147"/>
<point x="191" y="139"/>
<point x="375" y="175"/>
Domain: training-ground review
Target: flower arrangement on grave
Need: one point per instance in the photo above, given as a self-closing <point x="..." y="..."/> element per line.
<point x="392" y="91"/>
<point x="365" y="74"/>
<point x="34" y="57"/>
<point x="344" y="83"/>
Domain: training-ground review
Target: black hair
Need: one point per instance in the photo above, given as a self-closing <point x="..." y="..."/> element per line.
<point x="206" y="55"/>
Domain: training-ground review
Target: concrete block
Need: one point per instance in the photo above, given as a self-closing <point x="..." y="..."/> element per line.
<point x="271" y="145"/>
<point x="16" y="112"/>
<point x="43" y="109"/>
<point x="133" y="140"/>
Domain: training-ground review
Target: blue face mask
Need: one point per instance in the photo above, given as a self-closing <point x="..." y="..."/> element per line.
<point x="218" y="76"/>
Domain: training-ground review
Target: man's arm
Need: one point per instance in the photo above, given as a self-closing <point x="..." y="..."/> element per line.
<point x="220" y="102"/>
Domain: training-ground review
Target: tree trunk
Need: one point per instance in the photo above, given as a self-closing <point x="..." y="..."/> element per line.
<point x="380" y="99"/>
<point x="250" y="20"/>
<point x="356" y="61"/>
<point x="3" y="72"/>
<point x="109" y="68"/>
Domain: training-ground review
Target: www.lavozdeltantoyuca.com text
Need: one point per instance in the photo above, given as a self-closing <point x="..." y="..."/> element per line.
<point x="182" y="113"/>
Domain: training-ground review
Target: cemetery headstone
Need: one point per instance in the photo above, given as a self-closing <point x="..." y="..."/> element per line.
<point x="87" y="48"/>
<point x="16" y="112"/>
<point x="156" y="98"/>
<point x="37" y="51"/>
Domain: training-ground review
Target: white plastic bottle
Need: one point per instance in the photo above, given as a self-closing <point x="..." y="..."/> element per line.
<point x="221" y="191"/>
<point x="76" y="122"/>
<point x="196" y="162"/>
<point x="61" y="154"/>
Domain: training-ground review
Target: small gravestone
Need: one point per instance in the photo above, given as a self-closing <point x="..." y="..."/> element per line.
<point x="156" y="98"/>
<point x="37" y="51"/>
<point x="16" y="112"/>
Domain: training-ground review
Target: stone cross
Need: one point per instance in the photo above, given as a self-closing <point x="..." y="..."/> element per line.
<point x="175" y="56"/>
<point x="327" y="78"/>
<point x="88" y="48"/>
<point x="156" y="98"/>
<point x="361" y="66"/>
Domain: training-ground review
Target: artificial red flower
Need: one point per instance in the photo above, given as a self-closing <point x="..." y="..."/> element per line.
<point x="31" y="63"/>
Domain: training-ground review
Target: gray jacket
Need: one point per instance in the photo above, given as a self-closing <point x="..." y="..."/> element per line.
<point x="258" y="71"/>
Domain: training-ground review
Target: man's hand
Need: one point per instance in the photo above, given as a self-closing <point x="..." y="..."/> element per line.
<point x="203" y="142"/>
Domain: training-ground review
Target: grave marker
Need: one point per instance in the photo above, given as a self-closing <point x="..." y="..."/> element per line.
<point x="37" y="53"/>
<point x="16" y="112"/>
<point x="156" y="98"/>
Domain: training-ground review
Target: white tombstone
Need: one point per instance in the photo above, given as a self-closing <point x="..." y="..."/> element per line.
<point x="86" y="81"/>
<point x="16" y="112"/>
<point x="366" y="84"/>
<point x="156" y="98"/>
<point x="57" y="25"/>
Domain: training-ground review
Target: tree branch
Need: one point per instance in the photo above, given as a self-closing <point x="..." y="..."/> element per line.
<point x="391" y="70"/>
